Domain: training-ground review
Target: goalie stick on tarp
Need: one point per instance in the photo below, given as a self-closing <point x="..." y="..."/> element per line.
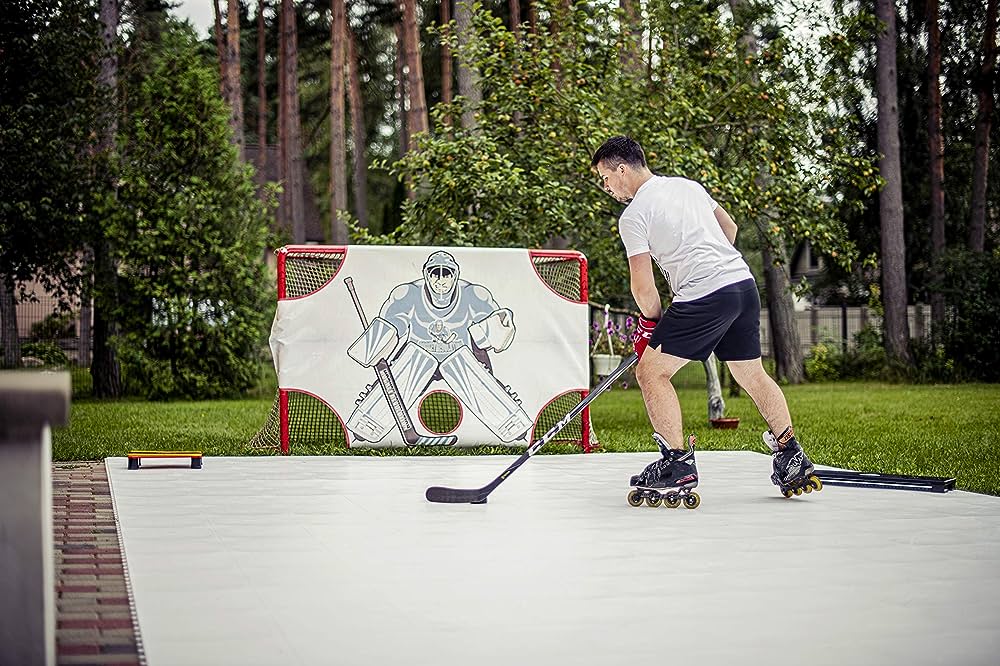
<point x="383" y="372"/>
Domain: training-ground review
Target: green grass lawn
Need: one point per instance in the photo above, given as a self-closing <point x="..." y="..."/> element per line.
<point x="946" y="430"/>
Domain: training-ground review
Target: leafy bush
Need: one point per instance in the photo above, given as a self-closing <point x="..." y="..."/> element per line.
<point x="191" y="230"/>
<point x="822" y="363"/>
<point x="57" y="325"/>
<point x="48" y="353"/>
<point x="971" y="287"/>
<point x="931" y="363"/>
<point x="866" y="359"/>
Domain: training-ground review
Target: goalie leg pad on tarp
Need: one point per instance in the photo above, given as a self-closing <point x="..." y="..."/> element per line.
<point x="483" y="395"/>
<point x="372" y="419"/>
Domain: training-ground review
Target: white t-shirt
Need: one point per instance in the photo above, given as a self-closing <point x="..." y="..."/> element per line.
<point x="674" y="220"/>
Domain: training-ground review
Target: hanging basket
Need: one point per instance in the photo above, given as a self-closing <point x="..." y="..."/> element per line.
<point x="604" y="364"/>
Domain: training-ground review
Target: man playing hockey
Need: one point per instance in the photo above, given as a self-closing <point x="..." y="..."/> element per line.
<point x="715" y="307"/>
<point x="439" y="328"/>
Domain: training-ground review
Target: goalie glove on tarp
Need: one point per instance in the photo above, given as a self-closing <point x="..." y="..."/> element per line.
<point x="642" y="333"/>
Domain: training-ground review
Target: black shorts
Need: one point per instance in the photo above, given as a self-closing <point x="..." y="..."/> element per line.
<point x="726" y="321"/>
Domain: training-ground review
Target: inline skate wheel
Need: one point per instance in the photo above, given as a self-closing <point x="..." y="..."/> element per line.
<point x="816" y="484"/>
<point x="653" y="501"/>
<point x="635" y="498"/>
<point x="692" y="501"/>
<point x="787" y="492"/>
<point x="672" y="501"/>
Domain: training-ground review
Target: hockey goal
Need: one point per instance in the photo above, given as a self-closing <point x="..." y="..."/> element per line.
<point x="308" y="421"/>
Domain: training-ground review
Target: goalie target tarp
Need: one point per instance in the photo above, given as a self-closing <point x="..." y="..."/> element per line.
<point x="476" y="332"/>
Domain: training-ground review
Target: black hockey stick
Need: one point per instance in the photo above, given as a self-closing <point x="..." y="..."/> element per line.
<point x="479" y="495"/>
<point x="396" y="405"/>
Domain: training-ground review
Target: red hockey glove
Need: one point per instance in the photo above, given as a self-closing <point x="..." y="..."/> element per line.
<point x="643" y="332"/>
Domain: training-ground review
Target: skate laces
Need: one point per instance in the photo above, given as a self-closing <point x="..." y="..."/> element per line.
<point x="655" y="468"/>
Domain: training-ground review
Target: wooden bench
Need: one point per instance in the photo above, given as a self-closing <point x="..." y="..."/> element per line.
<point x="135" y="457"/>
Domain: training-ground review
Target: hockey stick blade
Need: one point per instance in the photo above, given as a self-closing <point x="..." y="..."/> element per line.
<point x="444" y="495"/>
<point x="455" y="495"/>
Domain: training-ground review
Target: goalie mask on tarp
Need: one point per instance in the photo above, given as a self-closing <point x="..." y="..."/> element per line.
<point x="441" y="278"/>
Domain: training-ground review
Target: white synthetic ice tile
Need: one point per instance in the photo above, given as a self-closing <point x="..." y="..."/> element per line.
<point x="340" y="560"/>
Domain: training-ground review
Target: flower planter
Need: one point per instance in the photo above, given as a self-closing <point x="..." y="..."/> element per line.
<point x="604" y="364"/>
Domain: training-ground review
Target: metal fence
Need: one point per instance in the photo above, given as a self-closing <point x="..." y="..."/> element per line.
<point x="42" y="322"/>
<point x="838" y="325"/>
<point x="42" y="326"/>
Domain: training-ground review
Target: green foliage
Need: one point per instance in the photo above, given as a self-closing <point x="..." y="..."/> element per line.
<point x="699" y="106"/>
<point x="969" y="336"/>
<point x="56" y="325"/>
<point x="48" y="353"/>
<point x="821" y="363"/>
<point x="865" y="359"/>
<point x="190" y="230"/>
<point x="848" y="75"/>
<point x="49" y="105"/>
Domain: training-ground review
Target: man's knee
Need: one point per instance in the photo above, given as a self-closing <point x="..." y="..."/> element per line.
<point x="645" y="374"/>
<point x="748" y="374"/>
<point x="650" y="372"/>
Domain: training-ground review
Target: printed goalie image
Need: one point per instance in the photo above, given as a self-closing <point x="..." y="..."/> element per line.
<point x="436" y="331"/>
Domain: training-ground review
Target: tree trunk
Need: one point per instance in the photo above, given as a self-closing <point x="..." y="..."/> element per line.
<point x="789" y="363"/>
<point x="338" y="138"/>
<point x="9" y="340"/>
<point x="86" y="335"/>
<point x="220" y="48"/>
<point x="980" y="163"/>
<point x="515" y="17"/>
<point x="105" y="369"/>
<point x="446" y="70"/>
<point x="292" y="122"/>
<point x="786" y="346"/>
<point x="716" y="405"/>
<point x="233" y="88"/>
<point x="261" y="98"/>
<point x="283" y="218"/>
<point x="894" y="298"/>
<point x="936" y="151"/>
<point x="357" y="110"/>
<point x="469" y="86"/>
<point x="415" y="73"/>
<point x="402" y="85"/>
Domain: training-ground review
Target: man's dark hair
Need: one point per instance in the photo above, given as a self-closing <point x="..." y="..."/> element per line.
<point x="620" y="150"/>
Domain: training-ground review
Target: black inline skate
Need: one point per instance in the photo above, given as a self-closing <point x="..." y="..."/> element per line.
<point x="793" y="471"/>
<point x="670" y="480"/>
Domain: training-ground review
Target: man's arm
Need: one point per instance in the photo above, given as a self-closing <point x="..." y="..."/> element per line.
<point x="727" y="224"/>
<point x="643" y="285"/>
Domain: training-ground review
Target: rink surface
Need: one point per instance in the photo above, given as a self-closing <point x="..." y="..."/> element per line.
<point x="340" y="560"/>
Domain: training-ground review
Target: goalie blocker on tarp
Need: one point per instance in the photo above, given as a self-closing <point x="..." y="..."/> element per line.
<point x="464" y="345"/>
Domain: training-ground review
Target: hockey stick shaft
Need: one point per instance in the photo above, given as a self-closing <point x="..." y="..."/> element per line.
<point x="479" y="495"/>
<point x="388" y="383"/>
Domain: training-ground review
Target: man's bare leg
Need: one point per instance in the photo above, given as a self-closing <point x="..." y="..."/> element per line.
<point x="764" y="391"/>
<point x="653" y="374"/>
